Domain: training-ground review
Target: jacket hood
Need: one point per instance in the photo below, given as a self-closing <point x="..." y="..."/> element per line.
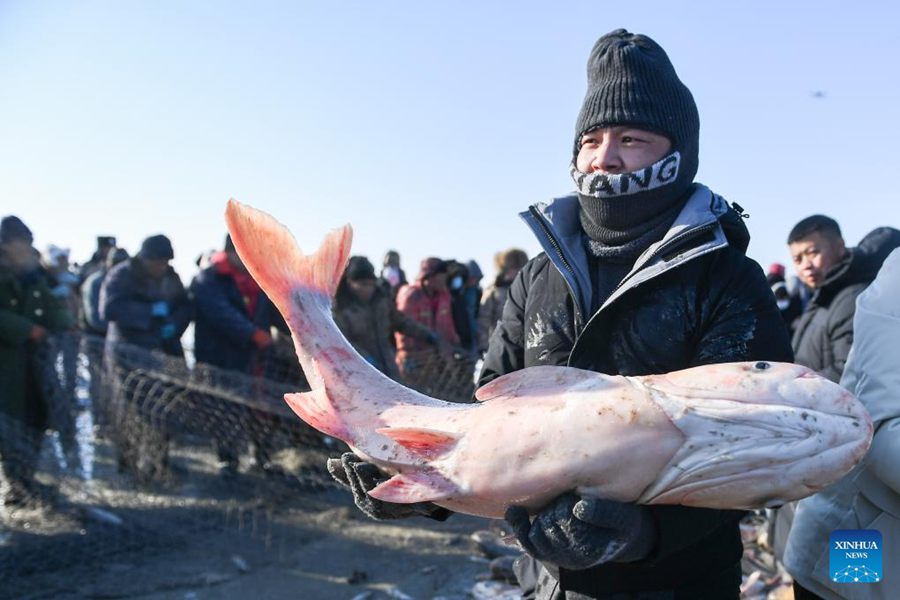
<point x="862" y="263"/>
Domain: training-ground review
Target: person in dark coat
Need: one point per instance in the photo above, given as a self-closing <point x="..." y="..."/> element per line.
<point x="99" y="260"/>
<point x="392" y="274"/>
<point x="90" y="292"/>
<point x="147" y="310"/>
<point x="144" y="301"/>
<point x="367" y="316"/>
<point x="508" y="264"/>
<point x="228" y="330"/>
<point x="643" y="272"/>
<point x="837" y="275"/>
<point x="231" y="328"/>
<point x="790" y="305"/>
<point x="29" y="313"/>
<point x="463" y="280"/>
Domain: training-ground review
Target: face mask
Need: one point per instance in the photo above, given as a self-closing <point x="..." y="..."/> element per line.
<point x="456" y="283"/>
<point x="783" y="304"/>
<point x="392" y="274"/>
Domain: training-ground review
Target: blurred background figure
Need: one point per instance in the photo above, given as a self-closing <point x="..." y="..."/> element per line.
<point x="29" y="312"/>
<point x="508" y="264"/>
<point x="789" y="305"/>
<point x="465" y="292"/>
<point x="232" y="328"/>
<point x="94" y="327"/>
<point x="145" y="305"/>
<point x="428" y="302"/>
<point x="98" y="261"/>
<point x="392" y="273"/>
<point x="367" y="316"/>
<point x="94" y="324"/>
<point x="144" y="301"/>
<point x="63" y="403"/>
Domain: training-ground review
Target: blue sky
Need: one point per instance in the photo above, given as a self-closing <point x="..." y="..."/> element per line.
<point x="428" y="126"/>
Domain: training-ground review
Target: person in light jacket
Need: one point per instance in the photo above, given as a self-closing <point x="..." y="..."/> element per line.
<point x="869" y="496"/>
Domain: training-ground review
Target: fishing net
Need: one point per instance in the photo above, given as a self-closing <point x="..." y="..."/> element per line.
<point x="135" y="453"/>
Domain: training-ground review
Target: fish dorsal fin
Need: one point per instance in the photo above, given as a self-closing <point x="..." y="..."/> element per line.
<point x="421" y="486"/>
<point x="537" y="381"/>
<point x="427" y="443"/>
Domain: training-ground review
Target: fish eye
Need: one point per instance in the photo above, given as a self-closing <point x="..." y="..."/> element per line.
<point x="761" y="366"/>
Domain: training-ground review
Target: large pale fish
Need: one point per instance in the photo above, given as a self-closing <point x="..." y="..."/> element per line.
<point x="737" y="435"/>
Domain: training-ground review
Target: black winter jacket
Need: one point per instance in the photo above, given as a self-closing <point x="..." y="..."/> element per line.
<point x="693" y="298"/>
<point x="223" y="328"/>
<point x="824" y="332"/>
<point x="126" y="301"/>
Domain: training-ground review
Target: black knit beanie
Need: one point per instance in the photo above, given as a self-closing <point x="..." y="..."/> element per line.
<point x="359" y="269"/>
<point x="12" y="228"/>
<point x="157" y="247"/>
<point x="631" y="82"/>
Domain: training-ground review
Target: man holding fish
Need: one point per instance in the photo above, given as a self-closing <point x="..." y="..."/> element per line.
<point x="643" y="272"/>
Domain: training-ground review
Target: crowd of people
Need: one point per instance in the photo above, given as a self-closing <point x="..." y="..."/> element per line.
<point x="417" y="332"/>
<point x="644" y="271"/>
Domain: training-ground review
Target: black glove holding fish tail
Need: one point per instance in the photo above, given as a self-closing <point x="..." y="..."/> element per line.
<point x="576" y="533"/>
<point x="359" y="476"/>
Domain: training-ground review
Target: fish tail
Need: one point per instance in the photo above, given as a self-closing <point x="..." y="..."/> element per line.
<point x="272" y="256"/>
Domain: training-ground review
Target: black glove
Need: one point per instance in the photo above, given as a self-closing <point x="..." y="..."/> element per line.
<point x="352" y="472"/>
<point x="578" y="533"/>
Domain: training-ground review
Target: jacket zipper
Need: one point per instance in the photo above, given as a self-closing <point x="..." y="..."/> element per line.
<point x="559" y="253"/>
<point x="677" y="239"/>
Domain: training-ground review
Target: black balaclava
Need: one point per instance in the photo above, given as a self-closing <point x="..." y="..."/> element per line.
<point x="631" y="82"/>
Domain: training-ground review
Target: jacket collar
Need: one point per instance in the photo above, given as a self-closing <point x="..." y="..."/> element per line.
<point x="696" y="231"/>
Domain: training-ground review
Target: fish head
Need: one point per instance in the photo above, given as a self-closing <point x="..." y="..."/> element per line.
<point x="761" y="382"/>
<point x="761" y="433"/>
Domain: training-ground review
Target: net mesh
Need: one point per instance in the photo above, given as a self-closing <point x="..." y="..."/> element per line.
<point x="139" y="453"/>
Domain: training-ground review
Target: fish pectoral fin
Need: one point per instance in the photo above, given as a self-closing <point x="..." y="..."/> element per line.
<point x="428" y="443"/>
<point x="317" y="410"/>
<point x="421" y="486"/>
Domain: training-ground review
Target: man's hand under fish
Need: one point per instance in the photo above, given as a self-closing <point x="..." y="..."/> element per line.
<point x="726" y="436"/>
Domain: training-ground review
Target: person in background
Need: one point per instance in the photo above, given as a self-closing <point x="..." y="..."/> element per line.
<point x="63" y="400"/>
<point x="426" y="301"/>
<point x="471" y="300"/>
<point x="226" y="297"/>
<point x="789" y="305"/>
<point x="144" y="301"/>
<point x="392" y="273"/>
<point x="147" y="310"/>
<point x="869" y="496"/>
<point x="95" y="331"/>
<point x="837" y="275"/>
<point x="463" y="322"/>
<point x="368" y="317"/>
<point x="231" y="329"/>
<point x="29" y="313"/>
<point x="90" y="289"/>
<point x="98" y="261"/>
<point x="508" y="264"/>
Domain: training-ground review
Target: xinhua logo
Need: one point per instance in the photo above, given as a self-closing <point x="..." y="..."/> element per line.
<point x="855" y="556"/>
